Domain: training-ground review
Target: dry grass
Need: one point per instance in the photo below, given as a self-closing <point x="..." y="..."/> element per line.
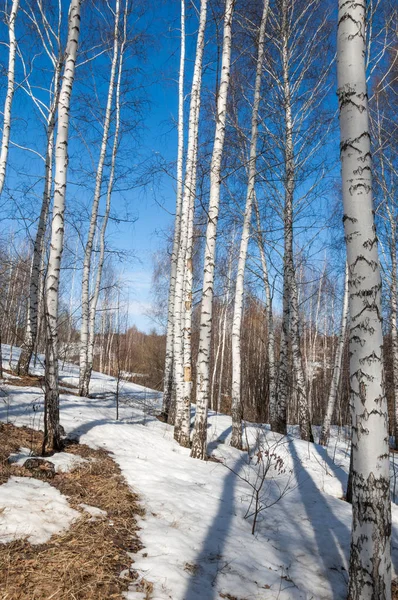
<point x="37" y="381"/>
<point x="85" y="562"/>
<point x="25" y="380"/>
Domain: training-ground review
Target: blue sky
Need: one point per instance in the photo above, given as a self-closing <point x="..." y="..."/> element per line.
<point x="151" y="208"/>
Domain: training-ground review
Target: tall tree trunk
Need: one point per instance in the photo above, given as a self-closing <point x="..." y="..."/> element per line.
<point x="279" y="424"/>
<point x="370" y="559"/>
<point x="237" y="405"/>
<point x="5" y="140"/>
<point x="187" y="304"/>
<point x="313" y="344"/>
<point x="101" y="259"/>
<point x="338" y="363"/>
<point x="199" y="441"/>
<point x="394" y="318"/>
<point x="299" y="378"/>
<point x="184" y="262"/>
<point x="169" y="362"/>
<point x="36" y="276"/>
<point x="221" y="343"/>
<point x="52" y="435"/>
<point x="85" y="372"/>
<point x="270" y="321"/>
<point x="290" y="320"/>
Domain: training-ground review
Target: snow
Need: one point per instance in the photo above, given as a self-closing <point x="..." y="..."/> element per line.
<point x="33" y="509"/>
<point x="63" y="461"/>
<point x="94" y="511"/>
<point x="197" y="542"/>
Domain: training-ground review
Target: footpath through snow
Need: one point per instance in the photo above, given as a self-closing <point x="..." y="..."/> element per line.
<point x="197" y="543"/>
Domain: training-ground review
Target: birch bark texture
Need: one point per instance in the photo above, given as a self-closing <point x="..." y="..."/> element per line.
<point x="184" y="262"/>
<point x="199" y="441"/>
<point x="370" y="559"/>
<point x="394" y="319"/>
<point x="237" y="405"/>
<point x="169" y="361"/>
<point x="52" y="433"/>
<point x="85" y="371"/>
<point x="5" y="139"/>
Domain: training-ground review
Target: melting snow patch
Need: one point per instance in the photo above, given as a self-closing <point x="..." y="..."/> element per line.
<point x="33" y="509"/>
<point x="93" y="511"/>
<point x="63" y="461"/>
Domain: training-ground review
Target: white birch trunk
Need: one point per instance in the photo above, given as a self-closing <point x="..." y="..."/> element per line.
<point x="52" y="435"/>
<point x="394" y="319"/>
<point x="237" y="405"/>
<point x="370" y="560"/>
<point x="199" y="441"/>
<point x="5" y="140"/>
<point x="169" y="362"/>
<point x="182" y="413"/>
<point x="188" y="291"/>
<point x="37" y="274"/>
<point x="98" y="275"/>
<point x="338" y="362"/>
<point x="84" y="375"/>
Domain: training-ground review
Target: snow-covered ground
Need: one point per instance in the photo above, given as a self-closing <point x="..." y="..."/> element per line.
<point x="33" y="509"/>
<point x="198" y="544"/>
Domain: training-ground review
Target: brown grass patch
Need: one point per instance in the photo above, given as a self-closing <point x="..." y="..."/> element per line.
<point x="85" y="562"/>
<point x="25" y="380"/>
<point x="37" y="381"/>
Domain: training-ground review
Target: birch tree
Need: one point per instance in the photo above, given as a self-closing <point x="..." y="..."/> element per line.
<point x="290" y="320"/>
<point x="385" y="135"/>
<point x="294" y="134"/>
<point x="199" y="441"/>
<point x="52" y="433"/>
<point x="169" y="362"/>
<point x="237" y="408"/>
<point x="5" y="139"/>
<point x="184" y="260"/>
<point x="370" y="559"/>
<point x="270" y="318"/>
<point x="54" y="51"/>
<point x="338" y="363"/>
<point x="116" y="138"/>
<point x="85" y="371"/>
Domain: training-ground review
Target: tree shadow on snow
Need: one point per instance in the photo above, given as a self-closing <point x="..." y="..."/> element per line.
<point x="338" y="471"/>
<point x="332" y="536"/>
<point x="210" y="562"/>
<point x="220" y="439"/>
